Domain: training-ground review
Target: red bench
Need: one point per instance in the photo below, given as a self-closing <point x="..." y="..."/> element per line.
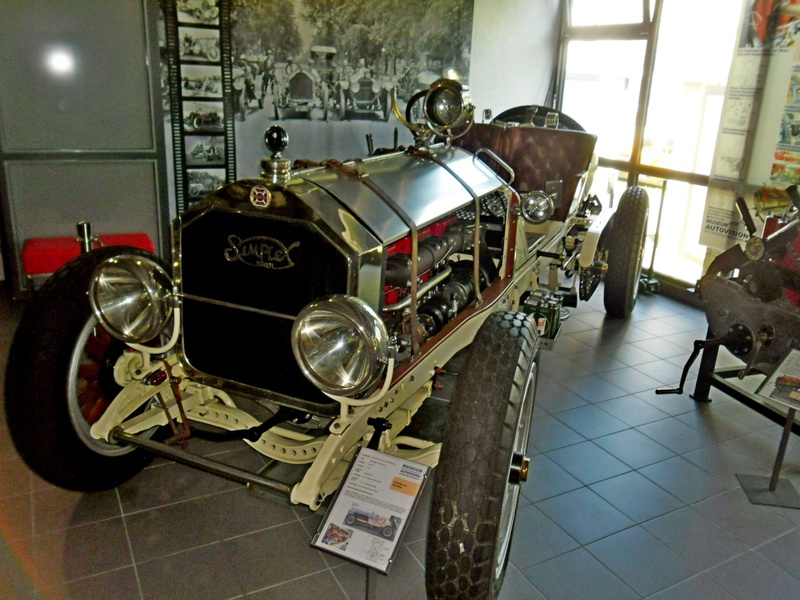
<point x="41" y="257"/>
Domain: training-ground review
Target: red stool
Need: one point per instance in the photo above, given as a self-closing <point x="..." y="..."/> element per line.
<point x="41" y="257"/>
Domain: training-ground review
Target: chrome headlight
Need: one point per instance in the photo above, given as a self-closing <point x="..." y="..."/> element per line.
<point x="446" y="106"/>
<point x="132" y="297"/>
<point x="340" y="344"/>
<point x="536" y="207"/>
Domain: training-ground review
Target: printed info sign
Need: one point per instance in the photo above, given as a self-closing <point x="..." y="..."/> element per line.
<point x="366" y="521"/>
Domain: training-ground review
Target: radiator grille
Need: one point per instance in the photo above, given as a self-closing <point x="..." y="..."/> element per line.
<point x="243" y="278"/>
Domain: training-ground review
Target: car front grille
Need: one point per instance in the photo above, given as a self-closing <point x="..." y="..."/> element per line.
<point x="301" y="87"/>
<point x="243" y="279"/>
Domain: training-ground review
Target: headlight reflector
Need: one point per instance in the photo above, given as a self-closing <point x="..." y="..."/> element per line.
<point x="446" y="105"/>
<point x="340" y="344"/>
<point x="131" y="296"/>
<point x="536" y="207"/>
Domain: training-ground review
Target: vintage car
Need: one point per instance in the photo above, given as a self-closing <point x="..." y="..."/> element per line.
<point x="299" y="92"/>
<point x="372" y="522"/>
<point x="311" y="312"/>
<point x="361" y="93"/>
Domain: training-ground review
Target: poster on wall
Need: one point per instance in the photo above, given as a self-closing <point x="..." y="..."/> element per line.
<point x="758" y="144"/>
<point x="324" y="70"/>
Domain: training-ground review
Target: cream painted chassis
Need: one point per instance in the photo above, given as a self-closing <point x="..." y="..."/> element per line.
<point x="329" y="455"/>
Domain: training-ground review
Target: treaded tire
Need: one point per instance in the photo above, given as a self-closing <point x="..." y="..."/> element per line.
<point x="625" y="253"/>
<point x="474" y="504"/>
<point x="37" y="395"/>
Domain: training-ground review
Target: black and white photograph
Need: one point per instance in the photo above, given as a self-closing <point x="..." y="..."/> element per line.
<point x="205" y="12"/>
<point x="202" y="116"/>
<point x="202" y="182"/>
<point x="199" y="44"/>
<point x="326" y="70"/>
<point x="204" y="150"/>
<point x="203" y="81"/>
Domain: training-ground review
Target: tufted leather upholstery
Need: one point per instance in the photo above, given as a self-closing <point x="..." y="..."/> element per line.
<point x="536" y="154"/>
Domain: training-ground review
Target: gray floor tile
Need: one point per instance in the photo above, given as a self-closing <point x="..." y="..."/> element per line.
<point x="204" y="573"/>
<point x="634" y="448"/>
<point x="784" y="552"/>
<point x="662" y="371"/>
<point x="631" y="380"/>
<point x="15" y="478"/>
<point x="750" y="523"/>
<point x="517" y="587"/>
<point x="584" y="515"/>
<point x="597" y="362"/>
<point x="631" y="355"/>
<point x="753" y="577"/>
<point x="55" y="509"/>
<point x="590" y="421"/>
<point x="659" y="348"/>
<point x="672" y="404"/>
<point x="103" y="547"/>
<point x="594" y="388"/>
<point x="684" y="480"/>
<point x="694" y="538"/>
<point x="553" y="397"/>
<point x="548" y="433"/>
<point x="675" y="435"/>
<point x="272" y="556"/>
<point x="547" y="479"/>
<point x="697" y="587"/>
<point x="318" y="585"/>
<point x="120" y="584"/>
<point x="587" y="462"/>
<point x="641" y="560"/>
<point x="537" y="538"/>
<point x="636" y="496"/>
<point x="575" y="575"/>
<point x="725" y="463"/>
<point x="169" y="529"/>
<point x="632" y="410"/>
<point x="405" y="581"/>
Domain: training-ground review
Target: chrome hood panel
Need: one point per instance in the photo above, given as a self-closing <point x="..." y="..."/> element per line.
<point x="423" y="189"/>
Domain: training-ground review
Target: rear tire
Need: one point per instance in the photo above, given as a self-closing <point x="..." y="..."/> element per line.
<point x="625" y="253"/>
<point x="60" y="380"/>
<point x="477" y="480"/>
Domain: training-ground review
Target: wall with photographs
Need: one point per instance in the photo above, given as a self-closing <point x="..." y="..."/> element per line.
<point x="324" y="71"/>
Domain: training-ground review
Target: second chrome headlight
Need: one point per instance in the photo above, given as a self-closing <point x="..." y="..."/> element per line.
<point x="340" y="344"/>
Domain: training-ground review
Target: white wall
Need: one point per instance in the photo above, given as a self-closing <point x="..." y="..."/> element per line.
<point x="514" y="46"/>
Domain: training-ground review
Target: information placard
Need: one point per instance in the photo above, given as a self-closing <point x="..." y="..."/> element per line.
<point x="367" y="518"/>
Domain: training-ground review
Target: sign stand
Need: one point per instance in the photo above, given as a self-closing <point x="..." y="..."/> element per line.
<point x="370" y="512"/>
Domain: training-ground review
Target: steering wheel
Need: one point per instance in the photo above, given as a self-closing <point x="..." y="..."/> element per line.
<point x="536" y="115"/>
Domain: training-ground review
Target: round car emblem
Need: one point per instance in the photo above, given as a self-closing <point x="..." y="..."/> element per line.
<point x="260" y="197"/>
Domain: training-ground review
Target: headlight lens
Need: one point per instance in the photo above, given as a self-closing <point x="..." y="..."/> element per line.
<point x="536" y="207"/>
<point x="445" y="105"/>
<point x="131" y="296"/>
<point x="340" y="344"/>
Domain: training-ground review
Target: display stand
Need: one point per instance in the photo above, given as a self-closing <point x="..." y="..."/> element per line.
<point x="782" y="387"/>
<point x="370" y="512"/>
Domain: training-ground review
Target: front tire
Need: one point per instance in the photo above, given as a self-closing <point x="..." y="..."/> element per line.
<point x="625" y="253"/>
<point x="481" y="465"/>
<point x="59" y="381"/>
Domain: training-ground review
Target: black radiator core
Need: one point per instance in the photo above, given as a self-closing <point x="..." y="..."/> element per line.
<point x="244" y="277"/>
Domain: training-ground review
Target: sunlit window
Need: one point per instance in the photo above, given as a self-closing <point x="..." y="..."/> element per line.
<point x="606" y="12"/>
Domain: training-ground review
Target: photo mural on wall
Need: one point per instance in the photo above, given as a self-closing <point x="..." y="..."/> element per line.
<point x="324" y="69"/>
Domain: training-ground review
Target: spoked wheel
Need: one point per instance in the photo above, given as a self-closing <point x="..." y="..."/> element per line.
<point x="483" y="461"/>
<point x="625" y="253"/>
<point x="60" y="381"/>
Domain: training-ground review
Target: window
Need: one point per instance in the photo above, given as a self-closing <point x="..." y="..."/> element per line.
<point x="648" y="77"/>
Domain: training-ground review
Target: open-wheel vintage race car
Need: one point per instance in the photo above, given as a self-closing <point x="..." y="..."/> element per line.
<point x="310" y="312"/>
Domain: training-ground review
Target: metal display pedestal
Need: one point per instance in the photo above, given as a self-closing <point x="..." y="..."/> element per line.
<point x="772" y="490"/>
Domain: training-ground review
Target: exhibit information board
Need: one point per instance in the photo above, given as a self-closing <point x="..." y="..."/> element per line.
<point x="368" y="516"/>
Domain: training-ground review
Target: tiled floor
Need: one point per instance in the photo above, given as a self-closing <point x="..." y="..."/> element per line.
<point x="631" y="495"/>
